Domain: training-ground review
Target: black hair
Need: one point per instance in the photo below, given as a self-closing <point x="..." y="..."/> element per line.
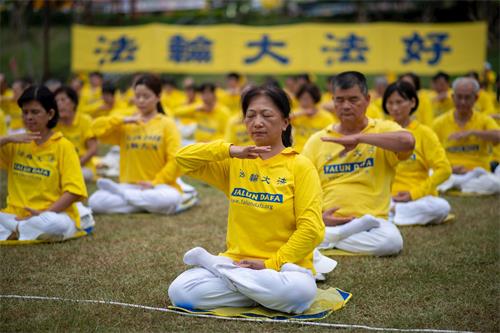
<point x="414" y="78"/>
<point x="473" y="75"/>
<point x="347" y="80"/>
<point x="312" y="89"/>
<point x="108" y="88"/>
<point x="153" y="83"/>
<point x="169" y="81"/>
<point x="441" y="75"/>
<point x="271" y="81"/>
<point x="279" y="98"/>
<point x="68" y="91"/>
<point x="96" y="73"/>
<point x="303" y="76"/>
<point x="45" y="97"/>
<point x="405" y="90"/>
<point x="207" y="86"/>
<point x="233" y="75"/>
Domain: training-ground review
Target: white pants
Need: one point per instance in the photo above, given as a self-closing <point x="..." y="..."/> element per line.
<point x="426" y="210"/>
<point x="48" y="225"/>
<point x="88" y="174"/>
<point x="384" y="240"/>
<point x="162" y="199"/>
<point x="476" y="181"/>
<point x="292" y="290"/>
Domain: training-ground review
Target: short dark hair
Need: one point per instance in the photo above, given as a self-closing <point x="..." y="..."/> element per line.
<point x="347" y="80"/>
<point x="108" y="88"/>
<point x="233" y="75"/>
<point x="473" y="74"/>
<point x="414" y="78"/>
<point x="45" y="97"/>
<point x="441" y="75"/>
<point x="405" y="90"/>
<point x="96" y="73"/>
<point x="68" y="91"/>
<point x="279" y="98"/>
<point x="312" y="89"/>
<point x="207" y="86"/>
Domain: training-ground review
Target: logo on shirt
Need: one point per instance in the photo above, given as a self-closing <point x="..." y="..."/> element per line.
<point x="330" y="169"/>
<point x="462" y="149"/>
<point x="34" y="171"/>
<point x="257" y="196"/>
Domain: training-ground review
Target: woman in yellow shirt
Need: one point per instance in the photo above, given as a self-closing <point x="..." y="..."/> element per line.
<point x="148" y="170"/>
<point x="44" y="175"/>
<point x="274" y="220"/>
<point x="414" y="192"/>
<point x="76" y="127"/>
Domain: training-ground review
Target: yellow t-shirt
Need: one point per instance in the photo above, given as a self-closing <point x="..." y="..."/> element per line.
<point x="39" y="175"/>
<point x="274" y="204"/>
<point x="424" y="113"/>
<point x="147" y="150"/>
<point x="358" y="183"/>
<point x="236" y="132"/>
<point x="484" y="103"/>
<point x="173" y="99"/>
<point x="89" y="96"/>
<point x="231" y="100"/>
<point x="78" y="133"/>
<point x="412" y="175"/>
<point x="470" y="152"/>
<point x="3" y="124"/>
<point x="442" y="106"/>
<point x="211" y="125"/>
<point x="304" y="126"/>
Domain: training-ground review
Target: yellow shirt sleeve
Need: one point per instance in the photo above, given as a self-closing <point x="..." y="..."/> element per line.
<point x="170" y="171"/>
<point x="6" y="154"/>
<point x="208" y="162"/>
<point x="3" y="124"/>
<point x="307" y="206"/>
<point x="71" y="172"/>
<point x="185" y="111"/>
<point x="437" y="161"/>
<point x="108" y="129"/>
<point x="424" y="112"/>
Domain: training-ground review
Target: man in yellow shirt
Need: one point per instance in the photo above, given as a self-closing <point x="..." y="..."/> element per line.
<point x="441" y="99"/>
<point x="467" y="136"/>
<point x="210" y="116"/>
<point x="356" y="161"/>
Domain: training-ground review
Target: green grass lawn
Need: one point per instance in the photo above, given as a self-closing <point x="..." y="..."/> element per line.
<point x="447" y="277"/>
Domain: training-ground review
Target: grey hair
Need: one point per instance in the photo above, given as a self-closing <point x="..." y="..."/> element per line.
<point x="347" y="80"/>
<point x="466" y="80"/>
<point x="381" y="80"/>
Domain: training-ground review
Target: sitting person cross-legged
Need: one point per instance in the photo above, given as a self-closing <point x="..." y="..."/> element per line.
<point x="467" y="137"/>
<point x="356" y="161"/>
<point x="45" y="178"/>
<point x="414" y="191"/>
<point x="274" y="221"/>
<point x="148" y="170"/>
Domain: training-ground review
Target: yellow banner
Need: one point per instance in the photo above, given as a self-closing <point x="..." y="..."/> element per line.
<point x="313" y="48"/>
